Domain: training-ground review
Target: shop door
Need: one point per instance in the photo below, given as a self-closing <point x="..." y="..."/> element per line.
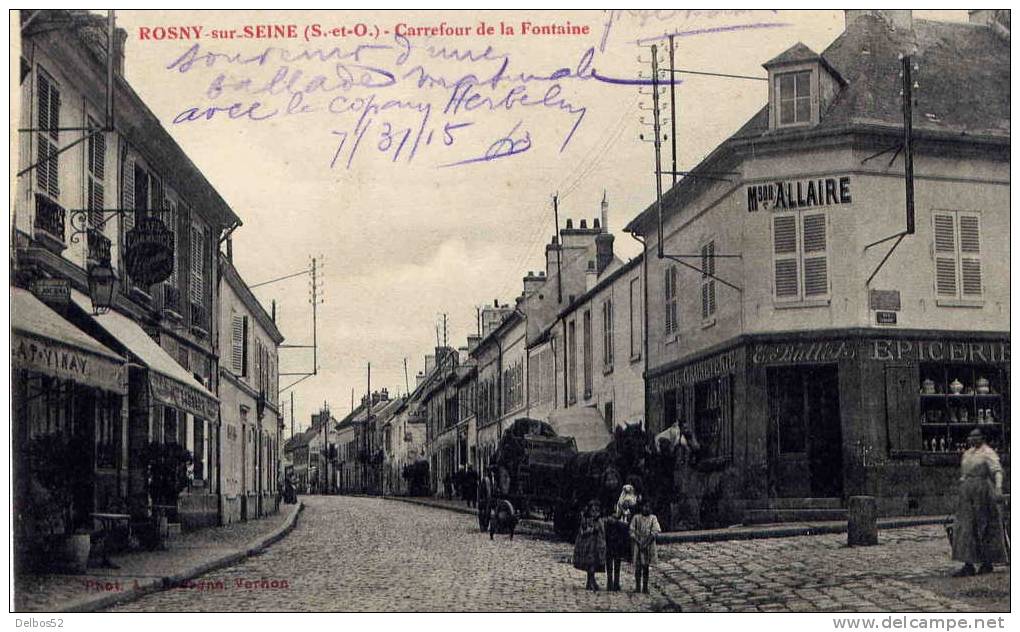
<point x="805" y="440"/>
<point x="825" y="437"/>
<point x="84" y="429"/>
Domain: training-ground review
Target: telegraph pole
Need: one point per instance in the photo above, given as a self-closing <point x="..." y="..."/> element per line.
<point x="556" y="242"/>
<point x="315" y="302"/>
<point x="407" y="385"/>
<point x="368" y="419"/>
<point x="292" y="414"/>
<point x="672" y="104"/>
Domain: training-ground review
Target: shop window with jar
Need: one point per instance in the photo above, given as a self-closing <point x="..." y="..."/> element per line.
<point x="713" y="417"/>
<point x="955" y="399"/>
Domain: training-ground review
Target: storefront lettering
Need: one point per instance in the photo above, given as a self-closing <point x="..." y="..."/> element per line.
<point x="800" y="194"/>
<point x="716" y="366"/>
<point x="67" y="362"/>
<point x="794" y="352"/>
<point x="939" y="351"/>
<point x="173" y="393"/>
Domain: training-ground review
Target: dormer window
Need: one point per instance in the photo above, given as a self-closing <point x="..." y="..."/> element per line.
<point x="802" y="85"/>
<point x="794" y="90"/>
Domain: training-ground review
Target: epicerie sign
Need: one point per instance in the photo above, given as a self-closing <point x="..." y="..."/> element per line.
<point x="794" y="194"/>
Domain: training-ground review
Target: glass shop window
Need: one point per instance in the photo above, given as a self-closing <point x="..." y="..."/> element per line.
<point x="108" y="432"/>
<point x="713" y="417"/>
<point x="955" y="399"/>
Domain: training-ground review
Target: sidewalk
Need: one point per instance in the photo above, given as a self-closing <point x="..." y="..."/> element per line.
<point x="780" y="530"/>
<point x="187" y="556"/>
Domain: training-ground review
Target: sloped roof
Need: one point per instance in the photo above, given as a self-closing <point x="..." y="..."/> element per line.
<point x="963" y="90"/>
<point x="795" y="54"/>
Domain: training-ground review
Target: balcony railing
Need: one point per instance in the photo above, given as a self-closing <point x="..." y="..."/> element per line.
<point x="172" y="298"/>
<point x="49" y="221"/>
<point x="99" y="247"/>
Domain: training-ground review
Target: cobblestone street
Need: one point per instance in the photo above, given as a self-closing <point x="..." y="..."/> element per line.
<point x="370" y="554"/>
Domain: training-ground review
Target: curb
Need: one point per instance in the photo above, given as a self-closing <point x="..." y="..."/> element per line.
<point x="789" y="531"/>
<point x="539" y="526"/>
<point x="721" y="535"/>
<point x="157" y="584"/>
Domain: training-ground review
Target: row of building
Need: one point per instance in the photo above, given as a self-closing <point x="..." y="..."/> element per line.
<point x="105" y="202"/>
<point x="766" y="312"/>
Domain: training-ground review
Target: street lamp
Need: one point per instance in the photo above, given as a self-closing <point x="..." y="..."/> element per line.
<point x="102" y="282"/>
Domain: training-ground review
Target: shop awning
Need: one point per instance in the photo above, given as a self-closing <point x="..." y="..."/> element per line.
<point x="584" y="423"/>
<point x="42" y="340"/>
<point x="170" y="383"/>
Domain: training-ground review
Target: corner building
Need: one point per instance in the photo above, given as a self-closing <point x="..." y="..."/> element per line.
<point x="807" y="376"/>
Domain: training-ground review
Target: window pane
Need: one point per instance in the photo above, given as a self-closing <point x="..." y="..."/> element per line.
<point x="786" y="86"/>
<point x="803" y="83"/>
<point x="803" y="110"/>
<point x="786" y="112"/>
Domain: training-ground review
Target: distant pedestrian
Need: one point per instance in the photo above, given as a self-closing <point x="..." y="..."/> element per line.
<point x="471" y="486"/>
<point x="447" y="486"/>
<point x="590" y="545"/>
<point x="978" y="534"/>
<point x="289" y="496"/>
<point x="643" y="528"/>
<point x="502" y="518"/>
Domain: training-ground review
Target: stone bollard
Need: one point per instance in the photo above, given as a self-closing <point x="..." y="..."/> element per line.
<point x="862" y="521"/>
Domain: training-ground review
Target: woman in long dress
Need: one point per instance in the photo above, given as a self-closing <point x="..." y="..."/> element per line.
<point x="590" y="546"/>
<point x="978" y="536"/>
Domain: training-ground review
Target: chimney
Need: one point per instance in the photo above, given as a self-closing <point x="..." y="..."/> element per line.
<point x="533" y="282"/>
<point x="605" y="212"/>
<point x="551" y="259"/>
<point x="603" y="251"/>
<point x="230" y="249"/>
<point x="274" y="310"/>
<point x="430" y="363"/>
<point x="472" y="342"/>
<point x="897" y="19"/>
<point x="997" y="19"/>
<point x="418" y="379"/>
<point x="591" y="277"/>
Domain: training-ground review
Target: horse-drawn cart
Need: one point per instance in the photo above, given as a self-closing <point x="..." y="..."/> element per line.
<point x="525" y="471"/>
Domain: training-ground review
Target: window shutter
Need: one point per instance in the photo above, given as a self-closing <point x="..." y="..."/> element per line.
<point x="970" y="255"/>
<point x="666" y="293"/>
<point x="945" y="254"/>
<point x="129" y="194"/>
<point x="48" y="119"/>
<point x="197" y="250"/>
<point x="816" y="267"/>
<point x="170" y="219"/>
<point x="236" y="344"/>
<point x="784" y="237"/>
<point x="707" y="282"/>
<point x="244" y="345"/>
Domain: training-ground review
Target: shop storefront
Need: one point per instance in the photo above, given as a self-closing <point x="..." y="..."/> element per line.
<point x="68" y="421"/>
<point x="166" y="404"/>
<point x="833" y="414"/>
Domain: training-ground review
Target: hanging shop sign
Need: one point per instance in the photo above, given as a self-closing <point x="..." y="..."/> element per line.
<point x="66" y="362"/>
<point x="52" y="291"/>
<point x="149" y="251"/>
<point x="793" y="194"/>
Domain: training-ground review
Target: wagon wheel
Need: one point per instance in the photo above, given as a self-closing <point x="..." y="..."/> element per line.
<point x="484" y="505"/>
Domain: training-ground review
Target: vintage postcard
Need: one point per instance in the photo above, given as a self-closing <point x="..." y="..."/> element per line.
<point x="684" y="311"/>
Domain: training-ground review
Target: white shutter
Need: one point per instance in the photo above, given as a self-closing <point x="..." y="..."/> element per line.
<point x="944" y="226"/>
<point x="786" y="273"/>
<point x="48" y="119"/>
<point x="970" y="255"/>
<point x="666" y="291"/>
<point x="816" y="265"/>
<point x="197" y="249"/>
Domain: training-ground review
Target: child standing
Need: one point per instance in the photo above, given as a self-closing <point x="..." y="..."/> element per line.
<point x="643" y="528"/>
<point x="590" y="546"/>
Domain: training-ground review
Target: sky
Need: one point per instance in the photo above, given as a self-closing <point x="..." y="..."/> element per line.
<point x="422" y="184"/>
